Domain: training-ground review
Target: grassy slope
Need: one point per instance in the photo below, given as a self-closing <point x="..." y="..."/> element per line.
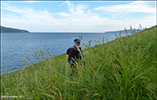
<point x="121" y="69"/>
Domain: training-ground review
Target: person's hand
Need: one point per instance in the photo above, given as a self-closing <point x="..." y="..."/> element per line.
<point x="84" y="62"/>
<point x="71" y="62"/>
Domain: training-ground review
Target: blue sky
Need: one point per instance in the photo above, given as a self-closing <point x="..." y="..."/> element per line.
<point x="77" y="16"/>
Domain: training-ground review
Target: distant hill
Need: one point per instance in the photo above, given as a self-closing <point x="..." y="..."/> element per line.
<point x="12" y="30"/>
<point x="123" y="31"/>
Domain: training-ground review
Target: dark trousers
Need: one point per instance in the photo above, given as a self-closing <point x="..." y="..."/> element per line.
<point x="72" y="66"/>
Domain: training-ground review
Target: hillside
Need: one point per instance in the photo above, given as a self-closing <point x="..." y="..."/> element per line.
<point x="124" y="68"/>
<point x="12" y="30"/>
<point x="124" y="31"/>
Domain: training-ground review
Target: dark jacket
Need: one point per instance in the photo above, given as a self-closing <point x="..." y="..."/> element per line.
<point x="74" y="53"/>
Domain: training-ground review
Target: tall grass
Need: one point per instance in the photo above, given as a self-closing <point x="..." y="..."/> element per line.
<point x="121" y="69"/>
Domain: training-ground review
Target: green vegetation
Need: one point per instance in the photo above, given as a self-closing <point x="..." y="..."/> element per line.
<point x="121" y="69"/>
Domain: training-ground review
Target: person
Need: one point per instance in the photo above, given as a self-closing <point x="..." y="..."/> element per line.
<point x="75" y="53"/>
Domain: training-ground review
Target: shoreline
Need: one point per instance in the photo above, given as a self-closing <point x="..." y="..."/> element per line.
<point x="129" y="34"/>
<point x="65" y="54"/>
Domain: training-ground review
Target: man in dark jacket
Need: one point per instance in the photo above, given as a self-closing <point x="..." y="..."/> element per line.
<point x="75" y="53"/>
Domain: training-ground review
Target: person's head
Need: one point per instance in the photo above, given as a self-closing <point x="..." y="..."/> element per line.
<point x="77" y="42"/>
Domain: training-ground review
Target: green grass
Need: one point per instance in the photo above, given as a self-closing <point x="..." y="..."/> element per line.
<point x="124" y="68"/>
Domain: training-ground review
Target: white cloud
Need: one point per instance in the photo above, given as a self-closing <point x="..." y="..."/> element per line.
<point x="47" y="23"/>
<point x="22" y="10"/>
<point x="30" y="1"/>
<point x="71" y="7"/>
<point x="137" y="6"/>
<point x="78" y="20"/>
<point x="64" y="3"/>
<point x="63" y="14"/>
<point x="79" y="9"/>
<point x="75" y="10"/>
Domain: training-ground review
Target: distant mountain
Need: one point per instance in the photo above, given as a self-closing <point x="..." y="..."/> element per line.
<point x="123" y="31"/>
<point x="12" y="30"/>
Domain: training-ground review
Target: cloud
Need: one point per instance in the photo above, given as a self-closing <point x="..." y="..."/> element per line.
<point x="21" y="10"/>
<point x="64" y="3"/>
<point x="27" y="18"/>
<point x="137" y="6"/>
<point x="71" y="7"/>
<point x="82" y="24"/>
<point x="78" y="19"/>
<point x="74" y="10"/>
<point x="63" y="14"/>
<point x="30" y="1"/>
<point x="79" y="9"/>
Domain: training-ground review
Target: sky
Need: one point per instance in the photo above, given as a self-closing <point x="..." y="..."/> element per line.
<point x="77" y="16"/>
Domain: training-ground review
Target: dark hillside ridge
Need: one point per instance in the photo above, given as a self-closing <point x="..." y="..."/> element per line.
<point x="124" y="31"/>
<point x="12" y="30"/>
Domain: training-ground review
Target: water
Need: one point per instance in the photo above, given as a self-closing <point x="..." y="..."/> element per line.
<point x="15" y="46"/>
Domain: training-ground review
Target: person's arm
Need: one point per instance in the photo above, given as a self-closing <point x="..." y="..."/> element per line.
<point x="81" y="53"/>
<point x="82" y="56"/>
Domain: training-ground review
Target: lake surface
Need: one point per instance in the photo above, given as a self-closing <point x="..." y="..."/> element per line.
<point x="15" y="46"/>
